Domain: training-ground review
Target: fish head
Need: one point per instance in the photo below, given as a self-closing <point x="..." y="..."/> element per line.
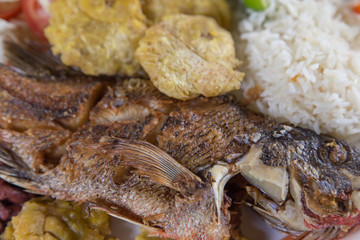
<point x="325" y="179"/>
<point x="301" y="181"/>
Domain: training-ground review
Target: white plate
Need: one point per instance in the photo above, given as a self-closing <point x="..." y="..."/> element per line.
<point x="253" y="227"/>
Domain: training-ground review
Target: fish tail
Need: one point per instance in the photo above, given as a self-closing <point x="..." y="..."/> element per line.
<point x="14" y="170"/>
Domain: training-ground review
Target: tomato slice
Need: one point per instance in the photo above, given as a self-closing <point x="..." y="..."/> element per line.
<point x="36" y="16"/>
<point x="356" y="8"/>
<point x="9" y="9"/>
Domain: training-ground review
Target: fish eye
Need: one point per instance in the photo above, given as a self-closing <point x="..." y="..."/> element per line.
<point x="338" y="154"/>
<point x="323" y="154"/>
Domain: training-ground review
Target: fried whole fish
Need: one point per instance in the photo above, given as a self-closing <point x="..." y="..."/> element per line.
<point x="164" y="164"/>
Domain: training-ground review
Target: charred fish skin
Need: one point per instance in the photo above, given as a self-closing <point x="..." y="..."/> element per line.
<point x="205" y="141"/>
<point x="40" y="148"/>
<point x="25" y="102"/>
<point x="101" y="181"/>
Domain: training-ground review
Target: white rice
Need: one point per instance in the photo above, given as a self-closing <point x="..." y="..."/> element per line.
<point x="306" y="56"/>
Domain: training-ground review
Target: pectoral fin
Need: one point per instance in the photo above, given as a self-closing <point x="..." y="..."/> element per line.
<point x="150" y="161"/>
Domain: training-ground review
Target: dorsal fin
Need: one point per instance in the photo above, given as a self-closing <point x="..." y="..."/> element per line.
<point x="150" y="161"/>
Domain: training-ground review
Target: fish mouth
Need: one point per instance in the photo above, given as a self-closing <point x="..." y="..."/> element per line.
<point x="220" y="173"/>
<point x="247" y="180"/>
<point x="278" y="195"/>
<point x="273" y="181"/>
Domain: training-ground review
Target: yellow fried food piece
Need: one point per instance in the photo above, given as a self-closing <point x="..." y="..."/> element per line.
<point x="99" y="37"/>
<point x="186" y="56"/>
<point x="112" y="10"/>
<point x="218" y="9"/>
<point x="47" y="219"/>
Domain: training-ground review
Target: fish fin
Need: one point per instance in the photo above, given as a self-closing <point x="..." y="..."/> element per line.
<point x="152" y="162"/>
<point x="35" y="59"/>
<point x="34" y="192"/>
<point x="131" y="219"/>
<point x="16" y="171"/>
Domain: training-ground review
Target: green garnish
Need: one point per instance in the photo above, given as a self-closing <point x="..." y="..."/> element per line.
<point x="257" y="5"/>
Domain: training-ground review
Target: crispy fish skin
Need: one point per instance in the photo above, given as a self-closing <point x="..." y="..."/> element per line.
<point x="26" y="102"/>
<point x="39" y="148"/>
<point x="103" y="183"/>
<point x="163" y="164"/>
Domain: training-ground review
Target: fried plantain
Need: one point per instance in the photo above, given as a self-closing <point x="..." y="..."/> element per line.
<point x="187" y="56"/>
<point x="96" y="37"/>
<point x="218" y="9"/>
